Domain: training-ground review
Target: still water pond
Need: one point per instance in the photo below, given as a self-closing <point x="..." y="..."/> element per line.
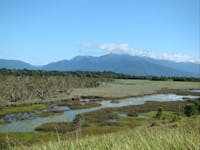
<point x="69" y="115"/>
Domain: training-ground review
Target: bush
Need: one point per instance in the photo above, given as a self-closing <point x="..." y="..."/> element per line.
<point x="190" y="109"/>
<point x="159" y="112"/>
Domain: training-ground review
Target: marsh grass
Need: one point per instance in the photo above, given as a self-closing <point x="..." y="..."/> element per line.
<point x="120" y="88"/>
<point x="76" y="104"/>
<point x="10" y="110"/>
<point x="145" y="138"/>
<point x="182" y="134"/>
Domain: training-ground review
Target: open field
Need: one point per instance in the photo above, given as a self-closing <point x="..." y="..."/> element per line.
<point x="130" y="88"/>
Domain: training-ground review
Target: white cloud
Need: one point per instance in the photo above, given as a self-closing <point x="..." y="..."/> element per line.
<point x="126" y="49"/>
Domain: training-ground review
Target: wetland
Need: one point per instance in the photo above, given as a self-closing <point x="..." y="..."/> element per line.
<point x="112" y="106"/>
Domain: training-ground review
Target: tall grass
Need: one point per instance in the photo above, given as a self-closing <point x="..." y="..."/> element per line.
<point x="157" y="138"/>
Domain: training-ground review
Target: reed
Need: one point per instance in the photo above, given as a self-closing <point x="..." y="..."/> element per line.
<point x="144" y="139"/>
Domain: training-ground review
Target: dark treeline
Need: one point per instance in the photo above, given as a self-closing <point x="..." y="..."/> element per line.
<point x="92" y="74"/>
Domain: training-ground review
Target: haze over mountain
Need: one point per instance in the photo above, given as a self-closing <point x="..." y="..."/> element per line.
<point x="15" y="64"/>
<point x="126" y="64"/>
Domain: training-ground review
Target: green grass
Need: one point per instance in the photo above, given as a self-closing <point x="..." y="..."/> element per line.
<point x="136" y="133"/>
<point x="149" y="138"/>
<point x="192" y="122"/>
<point x="25" y="138"/>
<point x="10" y="110"/>
<point x="48" y="113"/>
<point x="95" y="127"/>
<point x="56" y="127"/>
<point x="164" y="113"/>
<point x="132" y="121"/>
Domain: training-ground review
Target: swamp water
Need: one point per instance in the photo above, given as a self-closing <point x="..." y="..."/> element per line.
<point x="195" y="91"/>
<point x="69" y="115"/>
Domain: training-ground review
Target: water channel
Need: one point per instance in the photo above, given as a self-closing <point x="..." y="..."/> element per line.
<point x="69" y="115"/>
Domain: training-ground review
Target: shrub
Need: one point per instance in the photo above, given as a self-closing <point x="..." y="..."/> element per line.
<point x="190" y="109"/>
<point x="159" y="112"/>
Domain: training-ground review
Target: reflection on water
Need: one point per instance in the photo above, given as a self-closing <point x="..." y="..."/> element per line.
<point x="122" y="115"/>
<point x="30" y="125"/>
<point x="15" y="117"/>
<point x="196" y="91"/>
<point x="144" y="117"/>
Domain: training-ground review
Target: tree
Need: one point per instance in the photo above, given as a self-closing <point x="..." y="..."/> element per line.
<point x="190" y="109"/>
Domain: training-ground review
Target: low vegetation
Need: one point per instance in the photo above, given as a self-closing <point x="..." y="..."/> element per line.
<point x="77" y="104"/>
<point x="91" y="74"/>
<point x="121" y="88"/>
<point x="190" y="109"/>
<point x="95" y="127"/>
<point x="37" y="86"/>
<point x="11" y="110"/>
<point x="153" y="125"/>
<point x="156" y="137"/>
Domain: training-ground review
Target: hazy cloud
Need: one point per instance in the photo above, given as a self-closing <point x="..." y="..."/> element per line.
<point x="87" y="45"/>
<point x="126" y="49"/>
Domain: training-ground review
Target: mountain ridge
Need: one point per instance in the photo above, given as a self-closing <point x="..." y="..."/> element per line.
<point x="126" y="64"/>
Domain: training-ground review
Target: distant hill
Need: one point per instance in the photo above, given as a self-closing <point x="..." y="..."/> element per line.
<point x="126" y="64"/>
<point x="183" y="66"/>
<point x="15" y="64"/>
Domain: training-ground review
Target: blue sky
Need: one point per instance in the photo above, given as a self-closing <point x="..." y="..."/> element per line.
<point x="42" y="31"/>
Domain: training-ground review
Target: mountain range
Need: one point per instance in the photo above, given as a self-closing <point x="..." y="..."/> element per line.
<point x="126" y="64"/>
